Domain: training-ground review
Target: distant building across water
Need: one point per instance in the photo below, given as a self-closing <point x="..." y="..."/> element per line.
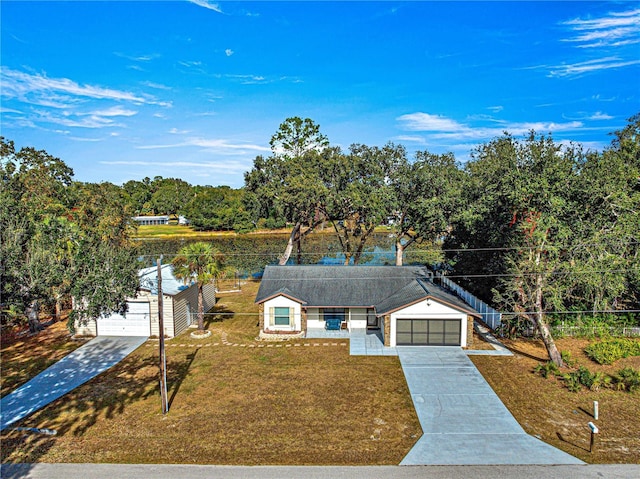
<point x="152" y="220"/>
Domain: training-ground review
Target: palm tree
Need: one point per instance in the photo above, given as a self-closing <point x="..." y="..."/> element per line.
<point x="202" y="263"/>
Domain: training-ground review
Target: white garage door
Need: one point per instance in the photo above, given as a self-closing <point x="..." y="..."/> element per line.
<point x="134" y="323"/>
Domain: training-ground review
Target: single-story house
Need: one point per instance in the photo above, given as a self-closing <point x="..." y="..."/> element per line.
<point x="179" y="305"/>
<point x="402" y="302"/>
<point x="152" y="220"/>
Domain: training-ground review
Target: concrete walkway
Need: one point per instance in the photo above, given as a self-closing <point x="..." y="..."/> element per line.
<point x="75" y="369"/>
<point x="463" y="420"/>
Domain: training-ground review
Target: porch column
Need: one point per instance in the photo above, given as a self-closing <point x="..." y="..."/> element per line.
<point x="303" y="319"/>
<point x="387" y="331"/>
<point x="469" y="331"/>
<point x="261" y="316"/>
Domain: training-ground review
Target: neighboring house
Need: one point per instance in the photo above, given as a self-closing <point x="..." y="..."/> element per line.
<point x="179" y="304"/>
<point x="152" y="220"/>
<point x="401" y="302"/>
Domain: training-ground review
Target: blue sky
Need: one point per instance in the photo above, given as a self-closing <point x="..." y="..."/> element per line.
<point x="122" y="90"/>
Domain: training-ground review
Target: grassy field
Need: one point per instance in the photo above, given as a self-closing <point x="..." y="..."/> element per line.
<point x="179" y="231"/>
<point x="235" y="400"/>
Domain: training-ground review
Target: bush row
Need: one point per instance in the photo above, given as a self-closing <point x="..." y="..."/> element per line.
<point x="609" y="351"/>
<point x="626" y="379"/>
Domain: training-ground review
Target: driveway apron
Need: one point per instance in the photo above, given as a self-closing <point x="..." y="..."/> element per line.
<point x="463" y="420"/>
<point x="73" y="370"/>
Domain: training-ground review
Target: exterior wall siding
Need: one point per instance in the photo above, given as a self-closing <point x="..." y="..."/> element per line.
<point x="357" y="318"/>
<point x="167" y="318"/>
<point x="284" y="302"/>
<point x="314" y="319"/>
<point x="88" y="327"/>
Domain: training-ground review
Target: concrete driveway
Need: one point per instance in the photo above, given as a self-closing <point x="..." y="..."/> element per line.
<point x="73" y="370"/>
<point x="463" y="420"/>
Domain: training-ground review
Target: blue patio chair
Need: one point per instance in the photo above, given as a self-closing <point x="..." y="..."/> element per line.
<point x="332" y="324"/>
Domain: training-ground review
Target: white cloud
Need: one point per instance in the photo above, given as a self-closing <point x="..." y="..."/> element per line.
<point x="215" y="145"/>
<point x="600" y="116"/>
<point x="114" y="111"/>
<point x="605" y="39"/>
<point x="228" y="52"/>
<point x="139" y="58"/>
<point x="596" y="64"/>
<point x="190" y="64"/>
<point x="613" y="29"/>
<point x="207" y="4"/>
<point x="411" y="139"/>
<point x="17" y="84"/>
<point x="8" y="110"/>
<point x="175" y="131"/>
<point x="443" y="128"/>
<point x="226" y="166"/>
<point x="72" y="120"/>
<point x="495" y="109"/>
<point x="157" y="86"/>
<point x="426" y="122"/>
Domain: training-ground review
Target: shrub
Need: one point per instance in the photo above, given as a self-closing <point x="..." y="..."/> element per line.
<point x="572" y="380"/>
<point x="607" y="352"/>
<point x="567" y="358"/>
<point x="628" y="379"/>
<point x="546" y="369"/>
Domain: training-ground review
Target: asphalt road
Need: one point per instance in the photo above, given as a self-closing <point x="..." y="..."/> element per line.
<point x="141" y="471"/>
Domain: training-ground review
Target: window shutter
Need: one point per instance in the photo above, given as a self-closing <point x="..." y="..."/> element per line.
<point x="291" y="323"/>
<point x="272" y="316"/>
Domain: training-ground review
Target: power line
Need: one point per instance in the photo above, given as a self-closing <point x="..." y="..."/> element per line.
<point x="418" y="251"/>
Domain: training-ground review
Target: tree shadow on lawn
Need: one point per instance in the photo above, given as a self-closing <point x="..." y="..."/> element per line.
<point x="107" y="396"/>
<point x="218" y="314"/>
<point x="178" y="373"/>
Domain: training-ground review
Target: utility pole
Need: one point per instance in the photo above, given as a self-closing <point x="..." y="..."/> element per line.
<point x="163" y="357"/>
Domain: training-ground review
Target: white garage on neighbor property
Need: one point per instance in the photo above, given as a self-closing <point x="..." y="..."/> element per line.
<point x="180" y="305"/>
<point x="135" y="322"/>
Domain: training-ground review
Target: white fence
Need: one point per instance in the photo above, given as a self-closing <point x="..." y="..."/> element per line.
<point x="490" y="316"/>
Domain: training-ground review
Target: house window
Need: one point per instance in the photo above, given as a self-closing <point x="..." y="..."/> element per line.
<point x="281" y="316"/>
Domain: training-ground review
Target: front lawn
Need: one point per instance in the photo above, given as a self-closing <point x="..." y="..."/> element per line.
<point x="238" y="401"/>
<point x="547" y="409"/>
<point x="306" y="402"/>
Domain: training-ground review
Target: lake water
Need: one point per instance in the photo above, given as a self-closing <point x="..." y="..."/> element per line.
<point x="249" y="254"/>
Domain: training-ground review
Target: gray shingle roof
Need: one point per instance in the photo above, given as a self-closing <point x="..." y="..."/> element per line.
<point x="385" y="288"/>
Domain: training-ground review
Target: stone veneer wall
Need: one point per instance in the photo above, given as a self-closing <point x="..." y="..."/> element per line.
<point x="469" y="331"/>
<point x="303" y="320"/>
<point x="265" y="336"/>
<point x="261" y="316"/>
<point x="387" y="331"/>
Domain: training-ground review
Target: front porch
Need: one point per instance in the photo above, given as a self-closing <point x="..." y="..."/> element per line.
<point x="362" y="342"/>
